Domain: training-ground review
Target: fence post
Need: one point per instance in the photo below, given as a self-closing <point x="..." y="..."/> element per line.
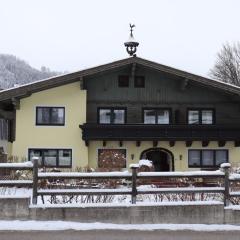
<point x="226" y="167"/>
<point x="134" y="182"/>
<point x="35" y="180"/>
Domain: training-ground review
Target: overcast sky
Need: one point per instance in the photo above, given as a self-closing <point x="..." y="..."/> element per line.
<point x="75" y="34"/>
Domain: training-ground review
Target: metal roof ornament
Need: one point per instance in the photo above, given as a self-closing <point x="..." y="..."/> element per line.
<point x="131" y="45"/>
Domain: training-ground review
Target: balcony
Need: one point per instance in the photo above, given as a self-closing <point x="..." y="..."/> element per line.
<point x="149" y="132"/>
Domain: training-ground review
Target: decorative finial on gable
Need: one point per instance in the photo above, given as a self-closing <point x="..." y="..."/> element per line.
<point x="131" y="45"/>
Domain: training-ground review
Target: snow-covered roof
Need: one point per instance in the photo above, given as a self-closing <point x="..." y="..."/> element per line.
<point x="26" y="89"/>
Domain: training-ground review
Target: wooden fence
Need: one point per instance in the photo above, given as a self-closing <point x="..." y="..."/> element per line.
<point x="132" y="177"/>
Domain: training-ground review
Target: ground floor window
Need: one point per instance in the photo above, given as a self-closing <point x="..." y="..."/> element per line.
<point x="112" y="158"/>
<point x="52" y="157"/>
<point x="207" y="158"/>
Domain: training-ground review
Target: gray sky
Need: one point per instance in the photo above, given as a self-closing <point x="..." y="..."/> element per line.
<point x="75" y="34"/>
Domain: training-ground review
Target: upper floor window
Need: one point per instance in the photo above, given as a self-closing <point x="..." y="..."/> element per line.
<point x="112" y="115"/>
<point x="207" y="158"/>
<point x="139" y="82"/>
<point x="123" y="81"/>
<point x="156" y="116"/>
<point x="200" y="116"/>
<point x="50" y="116"/>
<point x="52" y="157"/>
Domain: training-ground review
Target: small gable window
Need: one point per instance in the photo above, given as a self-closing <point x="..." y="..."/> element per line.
<point x="123" y="81"/>
<point x="54" y="116"/>
<point x="139" y="82"/>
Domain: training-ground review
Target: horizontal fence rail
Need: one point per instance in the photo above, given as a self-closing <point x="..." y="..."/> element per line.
<point x="77" y="175"/>
<point x="132" y="178"/>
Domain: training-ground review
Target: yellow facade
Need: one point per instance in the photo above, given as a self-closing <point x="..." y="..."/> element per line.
<point x="28" y="135"/>
<point x="69" y="136"/>
<point x="179" y="151"/>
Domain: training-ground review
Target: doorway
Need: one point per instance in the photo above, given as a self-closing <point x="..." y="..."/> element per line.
<point x="161" y="158"/>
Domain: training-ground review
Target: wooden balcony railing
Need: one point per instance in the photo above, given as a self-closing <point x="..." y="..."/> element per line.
<point x="154" y="132"/>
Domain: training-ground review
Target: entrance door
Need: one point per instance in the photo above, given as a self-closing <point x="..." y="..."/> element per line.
<point x="162" y="160"/>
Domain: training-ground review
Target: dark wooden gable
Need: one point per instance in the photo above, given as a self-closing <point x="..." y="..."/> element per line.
<point x="161" y="90"/>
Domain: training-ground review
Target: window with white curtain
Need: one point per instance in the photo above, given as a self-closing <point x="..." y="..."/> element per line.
<point x="156" y="116"/>
<point x="50" y="116"/>
<point x="205" y="158"/>
<point x="200" y="116"/>
<point x="111" y="115"/>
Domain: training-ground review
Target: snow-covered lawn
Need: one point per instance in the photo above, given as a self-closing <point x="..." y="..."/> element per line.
<point x="62" y="225"/>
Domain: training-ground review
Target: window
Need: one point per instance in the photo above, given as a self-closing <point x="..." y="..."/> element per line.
<point x="123" y="81"/>
<point x="207" y="158"/>
<point x="112" y="115"/>
<point x="200" y="116"/>
<point x="156" y="116"/>
<point x="52" y="157"/>
<point x="193" y="117"/>
<point x="139" y="82"/>
<point x="112" y="158"/>
<point x="50" y="116"/>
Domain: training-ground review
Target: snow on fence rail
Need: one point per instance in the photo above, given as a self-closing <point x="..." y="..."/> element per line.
<point x="18" y="166"/>
<point x="75" y="175"/>
<point x="131" y="176"/>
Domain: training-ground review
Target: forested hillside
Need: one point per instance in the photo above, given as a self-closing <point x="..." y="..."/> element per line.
<point x="14" y="71"/>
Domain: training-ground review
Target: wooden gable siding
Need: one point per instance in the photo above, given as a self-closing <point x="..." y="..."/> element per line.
<point x="161" y="90"/>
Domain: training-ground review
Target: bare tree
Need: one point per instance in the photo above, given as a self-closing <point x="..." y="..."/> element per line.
<point x="227" y="66"/>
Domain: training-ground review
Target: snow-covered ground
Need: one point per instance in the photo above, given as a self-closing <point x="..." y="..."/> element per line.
<point x="15" y="192"/>
<point x="62" y="225"/>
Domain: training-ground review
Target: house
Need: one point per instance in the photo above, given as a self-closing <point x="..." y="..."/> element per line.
<point x="112" y="115"/>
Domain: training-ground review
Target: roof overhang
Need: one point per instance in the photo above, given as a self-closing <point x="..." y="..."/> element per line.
<point x="27" y="89"/>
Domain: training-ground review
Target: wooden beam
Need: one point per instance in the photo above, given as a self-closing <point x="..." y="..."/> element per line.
<point x="16" y="103"/>
<point x="155" y="143"/>
<point x="138" y="143"/>
<point x="82" y="85"/>
<point x="188" y="143"/>
<point x="205" y="143"/>
<point x="171" y="143"/>
<point x="184" y="84"/>
<point x="133" y="70"/>
<point x="221" y="143"/>
<point x="237" y="143"/>
<point x="7" y="114"/>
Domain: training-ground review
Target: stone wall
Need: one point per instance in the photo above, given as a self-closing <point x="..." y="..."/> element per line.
<point x="18" y="209"/>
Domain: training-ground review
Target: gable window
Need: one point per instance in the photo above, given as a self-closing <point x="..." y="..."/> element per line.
<point x="111" y="115"/>
<point x="123" y="81"/>
<point x="201" y="116"/>
<point x="52" y="157"/>
<point x="50" y="116"/>
<point x="156" y="116"/>
<point x="207" y="158"/>
<point x="139" y="82"/>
